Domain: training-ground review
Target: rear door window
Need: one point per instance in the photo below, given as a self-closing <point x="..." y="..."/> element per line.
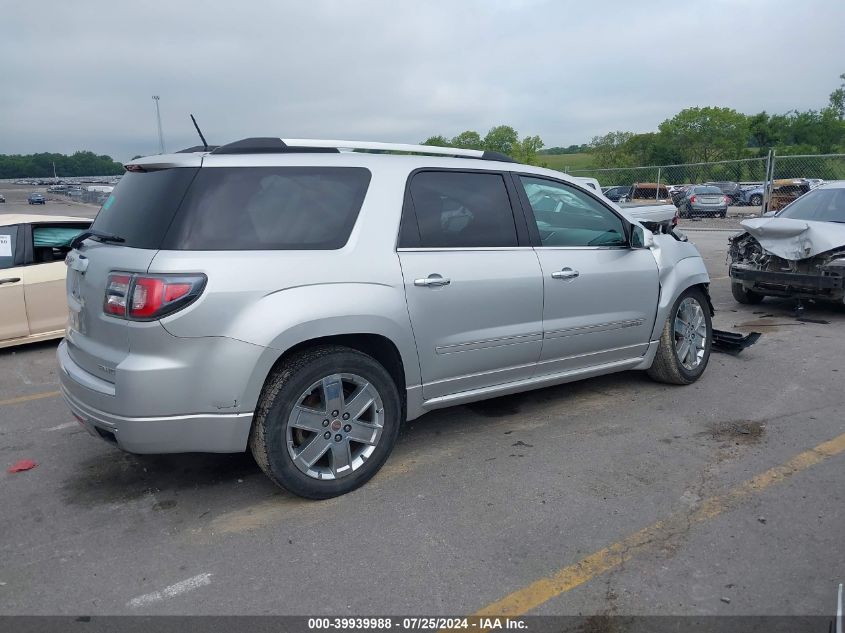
<point x="142" y="205"/>
<point x="8" y="242"/>
<point x="269" y="208"/>
<point x="462" y="210"/>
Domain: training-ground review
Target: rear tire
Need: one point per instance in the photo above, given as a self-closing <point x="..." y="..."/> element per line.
<point x="756" y="200"/>
<point x="668" y="366"/>
<point x="289" y="421"/>
<point x="745" y="297"/>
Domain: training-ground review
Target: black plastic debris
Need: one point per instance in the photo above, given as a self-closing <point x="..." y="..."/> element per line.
<point x="733" y="342"/>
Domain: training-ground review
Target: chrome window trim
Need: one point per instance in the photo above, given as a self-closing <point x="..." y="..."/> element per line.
<point x="438" y="249"/>
<point x="583" y="248"/>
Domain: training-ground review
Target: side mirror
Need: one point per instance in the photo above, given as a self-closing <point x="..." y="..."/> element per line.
<point x="640" y="237"/>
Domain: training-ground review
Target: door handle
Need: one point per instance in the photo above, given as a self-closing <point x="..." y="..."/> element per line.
<point x="432" y="281"/>
<point x="565" y="273"/>
<point x="10" y="280"/>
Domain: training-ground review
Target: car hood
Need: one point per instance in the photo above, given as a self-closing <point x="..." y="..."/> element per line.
<point x="795" y="239"/>
<point x="649" y="213"/>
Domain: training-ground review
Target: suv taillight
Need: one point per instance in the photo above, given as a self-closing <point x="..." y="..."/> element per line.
<point x="150" y="297"/>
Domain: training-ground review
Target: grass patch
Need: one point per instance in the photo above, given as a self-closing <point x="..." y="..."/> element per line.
<point x="569" y="162"/>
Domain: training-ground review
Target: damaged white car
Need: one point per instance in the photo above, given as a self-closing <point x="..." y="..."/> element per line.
<point x="798" y="253"/>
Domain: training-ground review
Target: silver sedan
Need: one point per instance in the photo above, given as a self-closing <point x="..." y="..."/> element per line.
<point x="703" y="200"/>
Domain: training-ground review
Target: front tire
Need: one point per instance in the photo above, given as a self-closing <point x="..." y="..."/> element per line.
<point x="745" y="296"/>
<point x="326" y="422"/>
<point x="755" y="200"/>
<point x="684" y="348"/>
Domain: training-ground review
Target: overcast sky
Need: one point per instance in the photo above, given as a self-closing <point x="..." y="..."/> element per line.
<point x="80" y="75"/>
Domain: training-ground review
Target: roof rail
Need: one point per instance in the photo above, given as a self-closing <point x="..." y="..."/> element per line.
<point x="270" y="145"/>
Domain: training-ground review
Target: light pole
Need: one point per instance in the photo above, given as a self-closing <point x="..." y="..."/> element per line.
<point x="158" y="120"/>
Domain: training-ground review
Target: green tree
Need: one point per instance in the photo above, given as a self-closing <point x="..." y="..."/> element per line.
<point x="837" y="99"/>
<point x="609" y="149"/>
<point x="706" y="134"/>
<point x="439" y="140"/>
<point x="469" y="139"/>
<point x="40" y="165"/>
<point x="525" y="151"/>
<point x="502" y="139"/>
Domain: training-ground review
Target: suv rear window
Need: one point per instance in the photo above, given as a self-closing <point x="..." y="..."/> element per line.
<point x="269" y="208"/>
<point x="142" y="205"/>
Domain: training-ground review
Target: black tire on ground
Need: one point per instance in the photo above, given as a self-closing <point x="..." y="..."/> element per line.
<point x="282" y="389"/>
<point x="666" y="367"/>
<point x="747" y="297"/>
<point x="723" y="214"/>
<point x="756" y="200"/>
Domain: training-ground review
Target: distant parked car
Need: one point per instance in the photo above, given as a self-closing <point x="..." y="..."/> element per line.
<point x="678" y="192"/>
<point x="704" y="200"/>
<point x="731" y="189"/>
<point x="648" y="192"/>
<point x="36" y="198"/>
<point x="753" y="196"/>
<point x="786" y="190"/>
<point x="614" y="193"/>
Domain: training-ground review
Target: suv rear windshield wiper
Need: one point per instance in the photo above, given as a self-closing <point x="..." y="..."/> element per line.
<point x="103" y="237"/>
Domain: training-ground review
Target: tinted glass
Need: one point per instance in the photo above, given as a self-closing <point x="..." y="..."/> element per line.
<point x="8" y="237"/>
<point x="568" y="217"/>
<point x="269" y="208"/>
<point x="52" y="243"/>
<point x="462" y="210"/>
<point x="823" y="205"/>
<point x="142" y="206"/>
<point x="707" y="190"/>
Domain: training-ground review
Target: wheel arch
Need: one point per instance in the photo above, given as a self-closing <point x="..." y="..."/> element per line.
<point x="403" y="370"/>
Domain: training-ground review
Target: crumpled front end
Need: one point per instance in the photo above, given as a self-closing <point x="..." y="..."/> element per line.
<point x="761" y="271"/>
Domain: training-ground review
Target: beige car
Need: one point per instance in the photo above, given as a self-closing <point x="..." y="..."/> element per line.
<point x="33" y="303"/>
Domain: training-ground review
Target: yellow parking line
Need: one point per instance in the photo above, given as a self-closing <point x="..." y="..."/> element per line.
<point x="524" y="600"/>
<point x="30" y="397"/>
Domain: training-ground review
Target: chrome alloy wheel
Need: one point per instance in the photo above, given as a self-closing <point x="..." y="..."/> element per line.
<point x="690" y="333"/>
<point x="335" y="426"/>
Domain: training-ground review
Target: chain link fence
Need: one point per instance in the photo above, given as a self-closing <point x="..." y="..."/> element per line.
<point x="749" y="170"/>
<point x="760" y="182"/>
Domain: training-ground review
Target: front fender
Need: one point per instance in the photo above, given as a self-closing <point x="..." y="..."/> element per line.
<point x="679" y="267"/>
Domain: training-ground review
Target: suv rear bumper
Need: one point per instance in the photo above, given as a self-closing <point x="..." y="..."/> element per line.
<point x="202" y="433"/>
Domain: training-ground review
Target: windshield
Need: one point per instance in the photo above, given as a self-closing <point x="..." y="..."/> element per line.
<point x="820" y="205"/>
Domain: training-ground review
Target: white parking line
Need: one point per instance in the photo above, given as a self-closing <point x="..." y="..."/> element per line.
<point x="183" y="586"/>
<point x="66" y="425"/>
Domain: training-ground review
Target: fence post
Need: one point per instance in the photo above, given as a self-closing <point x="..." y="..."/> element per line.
<point x="657" y="189"/>
<point x="767" y="183"/>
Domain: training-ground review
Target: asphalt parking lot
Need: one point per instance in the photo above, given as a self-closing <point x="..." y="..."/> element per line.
<point x="611" y="496"/>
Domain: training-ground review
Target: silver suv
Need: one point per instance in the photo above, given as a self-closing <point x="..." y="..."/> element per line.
<point x="302" y="299"/>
